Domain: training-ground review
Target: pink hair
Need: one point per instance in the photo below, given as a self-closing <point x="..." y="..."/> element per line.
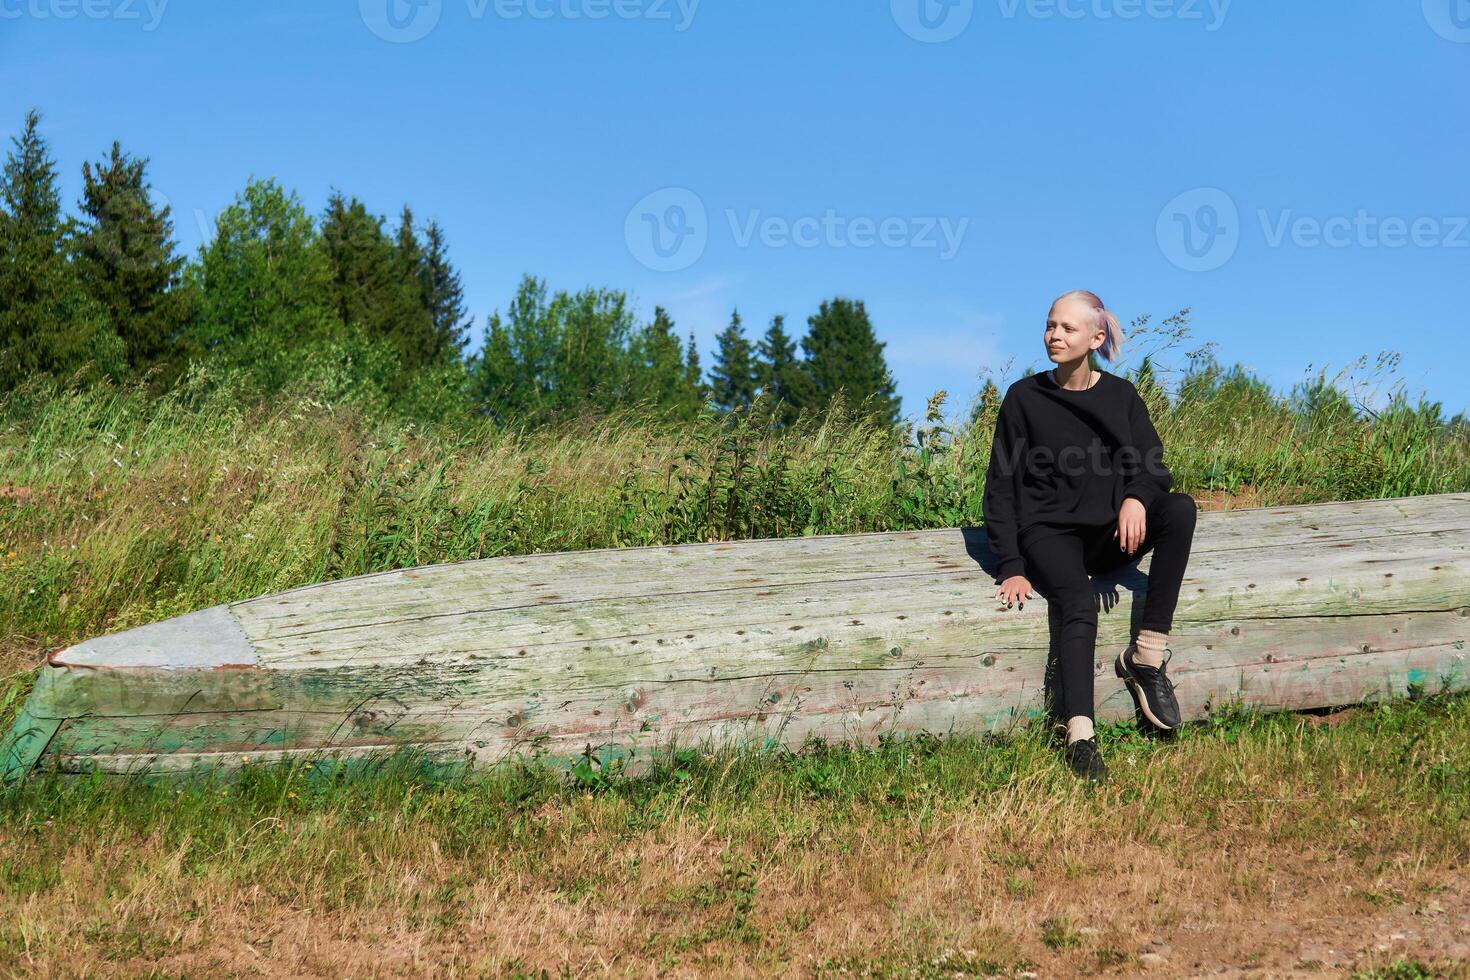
<point x="1106" y="322"/>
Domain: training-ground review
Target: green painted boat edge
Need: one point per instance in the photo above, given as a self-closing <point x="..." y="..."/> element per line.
<point x="206" y="640"/>
<point x="34" y="727"/>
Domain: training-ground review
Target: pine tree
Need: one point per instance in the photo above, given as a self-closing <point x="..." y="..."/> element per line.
<point x="444" y="296"/>
<point x="733" y="378"/>
<point x="48" y="323"/>
<point x="843" y="354"/>
<point x="126" y="260"/>
<point x="780" y="375"/>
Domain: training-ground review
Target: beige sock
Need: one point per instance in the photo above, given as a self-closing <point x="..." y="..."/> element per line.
<point x="1148" y="649"/>
<point x="1078" y="726"/>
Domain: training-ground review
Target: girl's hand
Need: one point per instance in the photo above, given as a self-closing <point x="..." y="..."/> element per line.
<point x="1016" y="589"/>
<point x="1131" y="525"/>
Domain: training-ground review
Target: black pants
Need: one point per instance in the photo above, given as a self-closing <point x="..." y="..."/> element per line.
<point x="1058" y="564"/>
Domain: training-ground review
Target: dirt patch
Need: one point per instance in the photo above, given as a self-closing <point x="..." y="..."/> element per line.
<point x="1247" y="496"/>
<point x="881" y="901"/>
<point x="20" y="495"/>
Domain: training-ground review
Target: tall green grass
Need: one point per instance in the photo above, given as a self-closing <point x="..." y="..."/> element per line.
<point x="117" y="508"/>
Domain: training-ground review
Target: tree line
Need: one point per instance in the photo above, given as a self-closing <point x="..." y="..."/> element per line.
<point x="354" y="305"/>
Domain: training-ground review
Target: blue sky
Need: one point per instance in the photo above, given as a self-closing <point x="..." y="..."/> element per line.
<point x="1293" y="172"/>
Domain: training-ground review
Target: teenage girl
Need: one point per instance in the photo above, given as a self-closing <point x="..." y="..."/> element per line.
<point x="1077" y="486"/>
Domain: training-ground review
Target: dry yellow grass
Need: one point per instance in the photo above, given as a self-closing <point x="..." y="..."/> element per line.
<point x="1273" y="845"/>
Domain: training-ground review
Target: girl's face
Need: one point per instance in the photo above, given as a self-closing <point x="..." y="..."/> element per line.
<point x="1071" y="331"/>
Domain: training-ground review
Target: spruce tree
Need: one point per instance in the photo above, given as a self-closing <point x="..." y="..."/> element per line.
<point x="694" y="374"/>
<point x="376" y="285"/>
<point x="843" y="354"/>
<point x="126" y="260"/>
<point x="411" y="328"/>
<point x="364" y="282"/>
<point x="443" y="296"/>
<point x="508" y="376"/>
<point x="733" y="378"/>
<point x="779" y="374"/>
<point x="48" y="323"/>
<point x="661" y="378"/>
<point x="495" y="376"/>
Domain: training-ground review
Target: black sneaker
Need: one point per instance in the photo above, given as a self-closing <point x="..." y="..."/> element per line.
<point x="1151" y="688"/>
<point x="1084" y="759"/>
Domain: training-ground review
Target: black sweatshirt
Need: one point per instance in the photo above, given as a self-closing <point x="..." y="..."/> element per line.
<point x="1065" y="458"/>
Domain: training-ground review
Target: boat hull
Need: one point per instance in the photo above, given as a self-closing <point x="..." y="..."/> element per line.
<point x="621" y="654"/>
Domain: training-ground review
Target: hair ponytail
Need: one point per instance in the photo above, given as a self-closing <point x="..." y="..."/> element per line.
<point x="1106" y="322"/>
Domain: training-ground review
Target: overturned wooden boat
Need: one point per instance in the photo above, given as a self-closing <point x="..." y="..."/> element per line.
<point x="618" y="654"/>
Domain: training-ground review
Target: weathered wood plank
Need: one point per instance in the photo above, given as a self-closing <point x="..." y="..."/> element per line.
<point x="1365" y="576"/>
<point x="951" y="686"/>
<point x="764" y="642"/>
<point x="685" y="569"/>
